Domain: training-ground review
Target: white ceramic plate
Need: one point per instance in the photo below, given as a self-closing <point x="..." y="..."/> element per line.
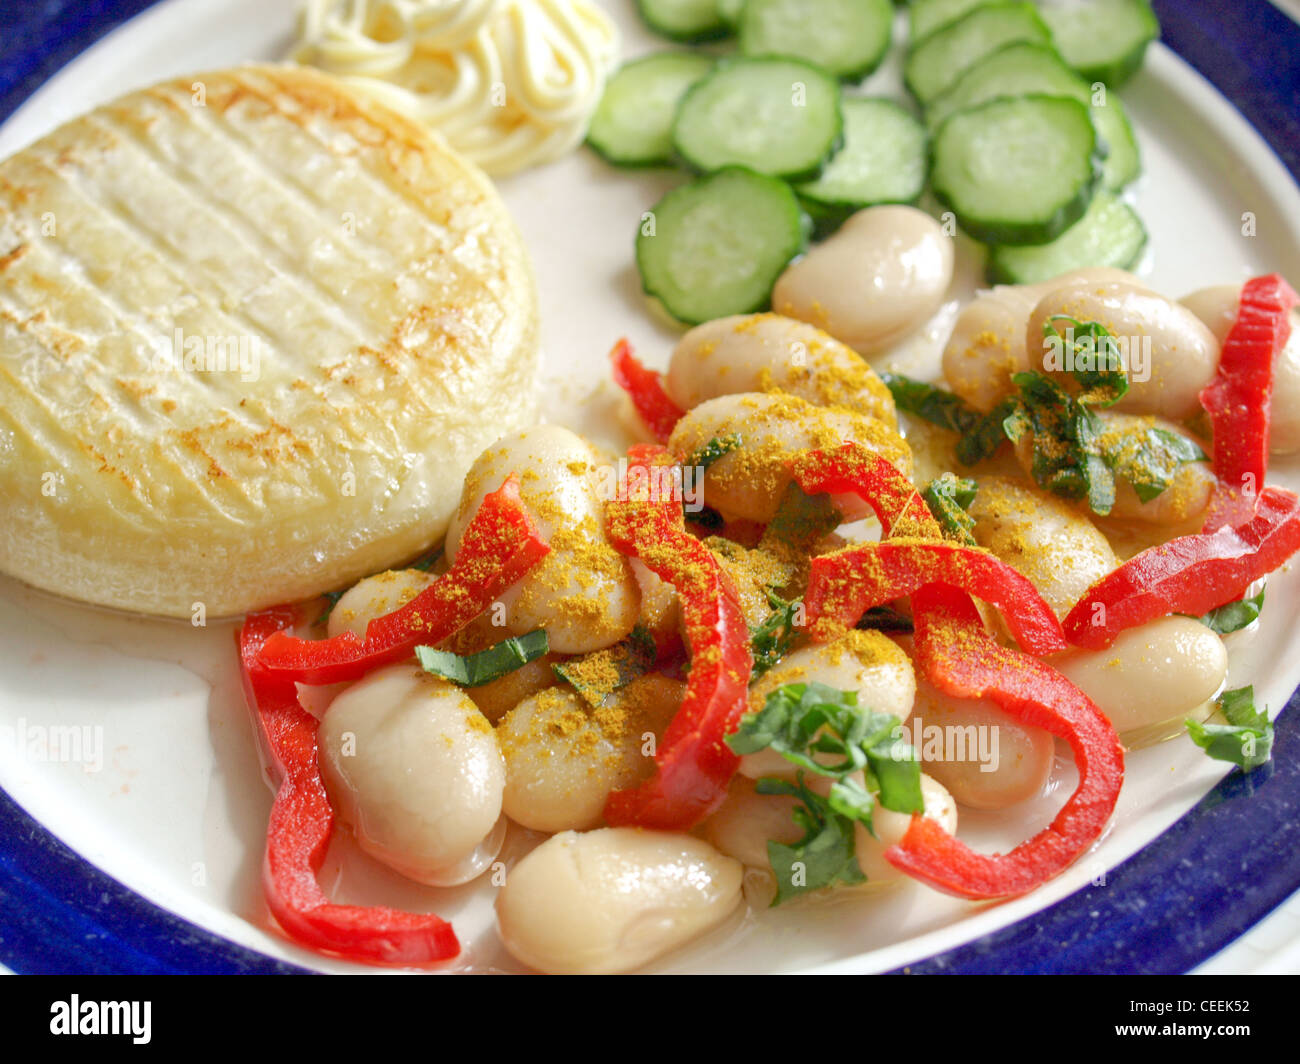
<point x="177" y="809"/>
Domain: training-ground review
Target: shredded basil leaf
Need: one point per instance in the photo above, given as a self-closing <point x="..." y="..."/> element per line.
<point x="801" y="521"/>
<point x="333" y="597"/>
<point x="771" y="641"/>
<point x="1246" y="740"/>
<point x="800" y="721"/>
<point x="932" y="404"/>
<point x="594" y="676"/>
<point x="826" y="856"/>
<point x="473" y="670"/>
<point x="986" y="435"/>
<point x="949" y="497"/>
<point x="1090" y="354"/>
<point x="716" y="448"/>
<point x="1149" y="458"/>
<point x="1235" y="615"/>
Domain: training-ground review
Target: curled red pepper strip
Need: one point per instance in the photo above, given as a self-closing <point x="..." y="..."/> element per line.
<point x="1189" y="574"/>
<point x="500" y="544"/>
<point x="842" y="586"/>
<point x="960" y="658"/>
<point x="646" y="390"/>
<point x="852" y="469"/>
<point x="298" y="834"/>
<point x="1239" y="397"/>
<point x="693" y="764"/>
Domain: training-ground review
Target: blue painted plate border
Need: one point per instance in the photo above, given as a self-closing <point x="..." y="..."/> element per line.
<point x="1216" y="872"/>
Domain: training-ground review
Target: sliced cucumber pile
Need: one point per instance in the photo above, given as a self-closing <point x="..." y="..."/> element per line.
<point x="936" y="62"/>
<point x="685" y="20"/>
<point x="1109" y="234"/>
<point x="883" y="161"/>
<point x="1023" y="68"/>
<point x="1020" y="138"/>
<point x="926" y="16"/>
<point x="716" y="246"/>
<point x="633" y="123"/>
<point x="847" y="38"/>
<point x="776" y="116"/>
<point x="1017" y="170"/>
<point x="1104" y="40"/>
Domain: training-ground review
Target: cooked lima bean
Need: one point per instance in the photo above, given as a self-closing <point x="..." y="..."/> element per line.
<point x="1161" y="671"/>
<point x="414" y="767"/>
<point x="748" y="482"/>
<point x="882" y="275"/>
<point x="583" y="592"/>
<point x="768" y="352"/>
<point x="373" y="597"/>
<point x="563" y="757"/>
<point x="612" y="900"/>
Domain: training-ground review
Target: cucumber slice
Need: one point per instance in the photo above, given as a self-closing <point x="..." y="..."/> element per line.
<point x="883" y="160"/>
<point x="1018" y="170"/>
<point x="633" y="123"/>
<point x="1104" y="40"/>
<point x="1110" y="234"/>
<point x="939" y="60"/>
<point x="1023" y="68"/>
<point x="1123" y="160"/>
<point x="684" y="20"/>
<point x="926" y="16"/>
<point x="718" y="245"/>
<point x="776" y="116"/>
<point x="847" y="38"/>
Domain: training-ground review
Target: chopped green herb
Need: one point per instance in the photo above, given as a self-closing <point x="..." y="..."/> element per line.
<point x="473" y="670"/>
<point x="333" y="597"/>
<point x="1235" y="615"/>
<point x="986" y="435"/>
<point x="713" y="450"/>
<point x="801" y="521"/>
<point x="949" y="497"/>
<point x="932" y="404"/>
<point x="771" y="640"/>
<point x="1246" y="740"/>
<point x="826" y="856"/>
<point x="596" y="675"/>
<point x="1090" y="354"/>
<point x="1149" y="457"/>
<point x="800" y="721"/>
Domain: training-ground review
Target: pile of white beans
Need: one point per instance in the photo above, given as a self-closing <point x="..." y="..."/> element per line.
<point x="428" y="775"/>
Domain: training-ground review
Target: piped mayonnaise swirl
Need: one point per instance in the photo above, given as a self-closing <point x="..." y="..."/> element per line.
<point x="508" y="83"/>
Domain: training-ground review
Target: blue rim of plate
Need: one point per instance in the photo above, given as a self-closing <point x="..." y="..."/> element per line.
<point x="1215" y="873"/>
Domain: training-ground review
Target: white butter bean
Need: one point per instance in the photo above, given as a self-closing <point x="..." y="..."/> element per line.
<point x="1169" y="353"/>
<point x="583" y="592"/>
<point x="749" y="481"/>
<point x="890" y="827"/>
<point x="612" y="900"/>
<point x="563" y="757"/>
<point x="1159" y="672"/>
<point x="987" y="344"/>
<point x="767" y="352"/>
<point x="1217" y="307"/>
<point x="869" y="663"/>
<point x="414" y="767"/>
<point x="982" y="755"/>
<point x="373" y="597"/>
<point x="883" y="275"/>
<point x="1043" y="537"/>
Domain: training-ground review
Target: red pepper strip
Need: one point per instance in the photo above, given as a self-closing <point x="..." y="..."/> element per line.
<point x="298" y="834"/>
<point x="960" y="658"/>
<point x="499" y="546"/>
<point x="645" y="388"/>
<point x="1239" y="397"/>
<point x="842" y="586"/>
<point x="853" y="469"/>
<point x="694" y="765"/>
<point x="1189" y="574"/>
